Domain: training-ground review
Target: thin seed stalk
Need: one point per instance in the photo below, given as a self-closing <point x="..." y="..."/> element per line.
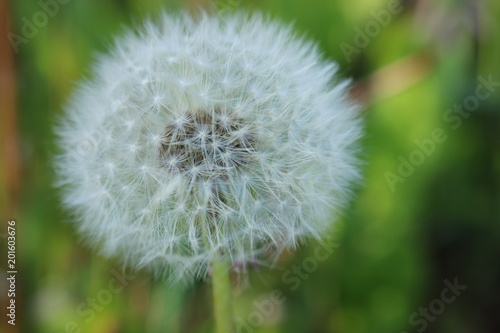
<point x="222" y="296"/>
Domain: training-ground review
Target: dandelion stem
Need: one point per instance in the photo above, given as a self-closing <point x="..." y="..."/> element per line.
<point x="221" y="289"/>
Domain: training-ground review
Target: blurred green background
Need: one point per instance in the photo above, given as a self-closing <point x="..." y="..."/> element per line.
<point x="427" y="211"/>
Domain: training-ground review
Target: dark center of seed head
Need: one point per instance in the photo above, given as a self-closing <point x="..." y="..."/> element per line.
<point x="206" y="144"/>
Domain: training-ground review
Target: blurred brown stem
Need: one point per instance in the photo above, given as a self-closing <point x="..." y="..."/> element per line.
<point x="9" y="157"/>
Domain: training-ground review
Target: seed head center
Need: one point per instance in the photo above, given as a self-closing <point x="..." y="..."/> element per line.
<point x="206" y="143"/>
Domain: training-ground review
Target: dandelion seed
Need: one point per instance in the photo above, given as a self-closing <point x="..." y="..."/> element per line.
<point x="217" y="139"/>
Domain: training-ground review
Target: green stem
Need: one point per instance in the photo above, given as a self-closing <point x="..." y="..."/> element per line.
<point x="221" y="289"/>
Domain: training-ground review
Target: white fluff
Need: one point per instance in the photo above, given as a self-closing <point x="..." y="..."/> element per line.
<point x="195" y="138"/>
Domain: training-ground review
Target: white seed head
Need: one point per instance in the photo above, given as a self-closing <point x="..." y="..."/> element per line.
<point x="197" y="138"/>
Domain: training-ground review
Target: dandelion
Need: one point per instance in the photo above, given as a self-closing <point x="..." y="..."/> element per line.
<point x="195" y="141"/>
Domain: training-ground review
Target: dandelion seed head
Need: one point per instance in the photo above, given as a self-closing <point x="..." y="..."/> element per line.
<point x="194" y="139"/>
